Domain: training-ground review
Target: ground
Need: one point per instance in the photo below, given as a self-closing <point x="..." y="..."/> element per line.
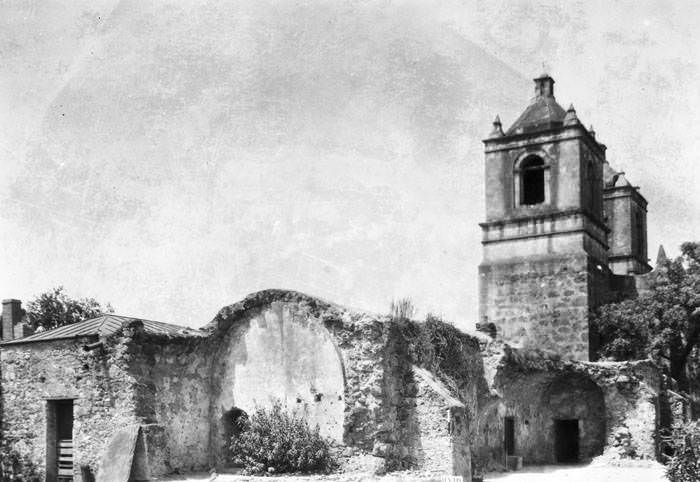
<point x="578" y="473"/>
<point x="650" y="472"/>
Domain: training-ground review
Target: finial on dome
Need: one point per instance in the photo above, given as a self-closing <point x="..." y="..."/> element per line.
<point x="497" y="128"/>
<point x="544" y="85"/>
<point x="570" y="118"/>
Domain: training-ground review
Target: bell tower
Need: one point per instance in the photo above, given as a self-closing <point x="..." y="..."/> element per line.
<point x="544" y="242"/>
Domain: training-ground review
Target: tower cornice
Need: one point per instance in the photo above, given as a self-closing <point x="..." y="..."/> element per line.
<point x="514" y="141"/>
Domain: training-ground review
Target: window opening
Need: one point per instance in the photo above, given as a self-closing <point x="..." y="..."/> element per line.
<point x="532" y="184"/>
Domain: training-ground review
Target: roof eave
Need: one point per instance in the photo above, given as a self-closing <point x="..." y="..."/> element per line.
<point x="25" y="341"/>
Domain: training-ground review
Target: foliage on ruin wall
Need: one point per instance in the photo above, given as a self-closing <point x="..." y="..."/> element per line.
<point x="685" y="464"/>
<point x="439" y="347"/>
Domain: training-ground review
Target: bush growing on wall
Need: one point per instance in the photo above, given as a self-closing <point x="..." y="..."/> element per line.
<point x="14" y="468"/>
<point x="436" y="346"/>
<point x="276" y="441"/>
<point x="685" y="464"/>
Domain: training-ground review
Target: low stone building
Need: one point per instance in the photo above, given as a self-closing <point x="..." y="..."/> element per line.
<point x="546" y="410"/>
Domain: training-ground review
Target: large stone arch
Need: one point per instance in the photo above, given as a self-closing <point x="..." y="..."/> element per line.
<point x="276" y="352"/>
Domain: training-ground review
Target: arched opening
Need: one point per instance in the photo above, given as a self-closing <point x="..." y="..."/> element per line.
<point x="576" y="406"/>
<point x="532" y="181"/>
<point x="234" y="421"/>
<point x="278" y="353"/>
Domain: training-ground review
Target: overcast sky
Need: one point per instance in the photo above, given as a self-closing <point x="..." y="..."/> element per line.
<point x="172" y="157"/>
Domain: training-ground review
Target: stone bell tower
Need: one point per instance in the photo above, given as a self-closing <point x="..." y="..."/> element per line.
<point x="545" y="259"/>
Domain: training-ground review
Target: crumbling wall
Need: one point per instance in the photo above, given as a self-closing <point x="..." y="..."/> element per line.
<point x="616" y="405"/>
<point x="98" y="382"/>
<point x="173" y="398"/>
<point x="277" y="350"/>
<point x="443" y="444"/>
<point x="351" y="373"/>
<point x="537" y="400"/>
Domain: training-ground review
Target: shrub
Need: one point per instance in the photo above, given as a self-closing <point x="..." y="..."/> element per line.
<point x="685" y="465"/>
<point x="276" y="441"/>
<point x="13" y="467"/>
<point x="437" y="346"/>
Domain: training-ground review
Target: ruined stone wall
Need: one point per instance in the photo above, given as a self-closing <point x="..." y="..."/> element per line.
<point x="616" y="405"/>
<point x="345" y="371"/>
<point x="173" y="395"/>
<point x="98" y="381"/>
<point x="442" y="425"/>
<point x="280" y="351"/>
<point x="350" y="373"/>
<point x="539" y="303"/>
<point x="632" y="406"/>
<point x="535" y="402"/>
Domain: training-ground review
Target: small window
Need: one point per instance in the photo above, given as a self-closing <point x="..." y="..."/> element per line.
<point x="532" y="181"/>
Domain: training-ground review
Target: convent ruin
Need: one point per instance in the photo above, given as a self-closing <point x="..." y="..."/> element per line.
<point x="564" y="232"/>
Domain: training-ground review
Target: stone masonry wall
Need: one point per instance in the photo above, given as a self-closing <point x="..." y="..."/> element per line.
<point x="536" y="389"/>
<point x="539" y="303"/>
<point x="173" y="394"/>
<point x="101" y="387"/>
<point x="351" y="373"/>
<point x="443" y="444"/>
<point x="345" y="370"/>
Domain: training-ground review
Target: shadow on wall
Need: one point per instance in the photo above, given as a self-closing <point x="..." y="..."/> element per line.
<point x="277" y="352"/>
<point x="577" y="424"/>
<point x="553" y="418"/>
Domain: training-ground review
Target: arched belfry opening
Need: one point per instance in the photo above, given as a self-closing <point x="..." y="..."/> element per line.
<point x="531" y="181"/>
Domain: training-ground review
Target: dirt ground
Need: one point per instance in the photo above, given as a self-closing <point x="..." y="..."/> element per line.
<point x="650" y="472"/>
<point x="586" y="473"/>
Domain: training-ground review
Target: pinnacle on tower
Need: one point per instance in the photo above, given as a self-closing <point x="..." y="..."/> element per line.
<point x="497" y="128"/>
<point x="571" y="118"/>
<point x="661" y="258"/>
<point x="591" y="131"/>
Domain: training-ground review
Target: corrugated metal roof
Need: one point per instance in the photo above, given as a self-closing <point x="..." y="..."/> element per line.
<point x="101" y="326"/>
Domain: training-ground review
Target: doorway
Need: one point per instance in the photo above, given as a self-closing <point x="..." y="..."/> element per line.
<point x="59" y="440"/>
<point x="566" y="440"/>
<point x="509" y="435"/>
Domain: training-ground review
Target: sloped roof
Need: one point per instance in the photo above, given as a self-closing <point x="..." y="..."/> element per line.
<point x="101" y="326"/>
<point x="542" y="113"/>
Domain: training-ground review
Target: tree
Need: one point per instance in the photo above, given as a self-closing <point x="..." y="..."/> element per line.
<point x="54" y="308"/>
<point x="663" y="324"/>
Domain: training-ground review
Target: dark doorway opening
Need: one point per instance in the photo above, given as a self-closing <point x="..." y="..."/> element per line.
<point x="509" y="435"/>
<point x="59" y="440"/>
<point x="566" y="440"/>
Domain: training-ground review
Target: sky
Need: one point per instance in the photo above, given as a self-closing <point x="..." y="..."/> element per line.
<point x="172" y="157"/>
